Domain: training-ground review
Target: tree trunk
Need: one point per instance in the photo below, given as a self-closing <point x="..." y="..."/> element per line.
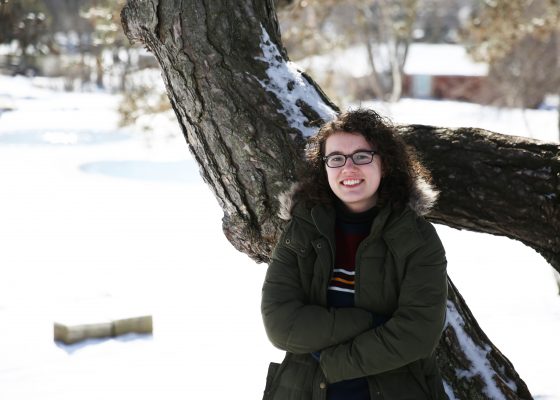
<point x="99" y="69"/>
<point x="558" y="110"/>
<point x="391" y="41"/>
<point x="374" y="76"/>
<point x="368" y="34"/>
<point x="245" y="112"/>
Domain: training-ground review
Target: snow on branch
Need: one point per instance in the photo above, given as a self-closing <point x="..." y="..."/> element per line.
<point x="449" y="391"/>
<point x="286" y="81"/>
<point x="476" y="355"/>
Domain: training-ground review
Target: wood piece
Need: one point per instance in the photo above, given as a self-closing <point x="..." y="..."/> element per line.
<point x="74" y="333"/>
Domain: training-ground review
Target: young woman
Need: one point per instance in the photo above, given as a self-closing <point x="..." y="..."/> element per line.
<point x="356" y="290"/>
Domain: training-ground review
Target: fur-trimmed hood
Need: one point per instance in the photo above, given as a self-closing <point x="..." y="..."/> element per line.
<point x="422" y="199"/>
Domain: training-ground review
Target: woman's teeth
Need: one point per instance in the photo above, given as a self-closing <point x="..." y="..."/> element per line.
<point x="351" y="182"/>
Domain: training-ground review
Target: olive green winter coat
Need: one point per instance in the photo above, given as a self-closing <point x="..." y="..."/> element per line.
<point x="400" y="273"/>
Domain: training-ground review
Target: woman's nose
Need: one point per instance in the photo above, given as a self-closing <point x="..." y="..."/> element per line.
<point x="349" y="164"/>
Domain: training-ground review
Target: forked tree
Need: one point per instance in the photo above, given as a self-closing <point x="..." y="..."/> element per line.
<point x="245" y="112"/>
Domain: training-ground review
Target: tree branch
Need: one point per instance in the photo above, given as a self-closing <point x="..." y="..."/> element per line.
<point x="492" y="183"/>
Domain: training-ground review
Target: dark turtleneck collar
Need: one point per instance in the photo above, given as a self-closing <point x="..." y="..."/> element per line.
<point x="345" y="215"/>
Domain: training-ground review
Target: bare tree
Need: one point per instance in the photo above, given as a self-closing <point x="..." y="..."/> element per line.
<point x="26" y="23"/>
<point x="520" y="40"/>
<point x="103" y="18"/>
<point x="526" y="74"/>
<point x="387" y="27"/>
<point x="245" y="111"/>
<point x="383" y="27"/>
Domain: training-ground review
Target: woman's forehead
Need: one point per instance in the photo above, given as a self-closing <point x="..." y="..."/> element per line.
<point x="345" y="141"/>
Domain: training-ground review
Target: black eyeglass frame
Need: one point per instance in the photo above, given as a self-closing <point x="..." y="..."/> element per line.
<point x="347" y="156"/>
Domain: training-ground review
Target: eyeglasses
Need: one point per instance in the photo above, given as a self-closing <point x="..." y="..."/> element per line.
<point x="358" y="158"/>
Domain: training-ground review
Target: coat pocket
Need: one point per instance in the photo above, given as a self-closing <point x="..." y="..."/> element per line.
<point x="271" y="374"/>
<point x="293" y="379"/>
<point x="402" y="384"/>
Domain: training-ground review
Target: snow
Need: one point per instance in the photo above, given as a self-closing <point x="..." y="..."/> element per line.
<point x="98" y="221"/>
<point x="449" y="391"/>
<point x="475" y="354"/>
<point x="442" y="59"/>
<point x="352" y="61"/>
<point x="289" y="86"/>
<point x="422" y="59"/>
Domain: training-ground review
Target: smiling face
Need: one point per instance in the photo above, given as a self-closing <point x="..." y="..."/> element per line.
<point x="355" y="185"/>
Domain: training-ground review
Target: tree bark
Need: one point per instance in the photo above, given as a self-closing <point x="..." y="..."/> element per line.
<point x="245" y="112"/>
<point x="492" y="183"/>
<point x="245" y="148"/>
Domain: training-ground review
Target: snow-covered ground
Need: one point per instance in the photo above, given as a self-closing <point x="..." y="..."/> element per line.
<point x="97" y="222"/>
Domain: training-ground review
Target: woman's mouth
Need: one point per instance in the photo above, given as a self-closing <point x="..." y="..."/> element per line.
<point x="351" y="182"/>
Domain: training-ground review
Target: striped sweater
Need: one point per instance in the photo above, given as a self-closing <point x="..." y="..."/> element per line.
<point x="350" y="230"/>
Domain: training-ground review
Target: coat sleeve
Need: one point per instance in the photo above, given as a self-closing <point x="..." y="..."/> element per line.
<point x="413" y="331"/>
<point x="294" y="325"/>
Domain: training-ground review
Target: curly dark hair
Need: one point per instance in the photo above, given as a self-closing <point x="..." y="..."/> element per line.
<point x="401" y="166"/>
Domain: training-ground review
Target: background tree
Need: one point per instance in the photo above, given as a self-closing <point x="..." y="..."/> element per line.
<point x="107" y="37"/>
<point x="74" y="42"/>
<point x="440" y="21"/>
<point x="245" y="111"/>
<point x="387" y="30"/>
<point x="84" y="35"/>
<point x="520" y="40"/>
<point x="25" y="23"/>
<point x="383" y="27"/>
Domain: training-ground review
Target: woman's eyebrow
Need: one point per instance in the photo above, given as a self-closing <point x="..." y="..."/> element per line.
<point x="340" y="152"/>
<point x="332" y="153"/>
